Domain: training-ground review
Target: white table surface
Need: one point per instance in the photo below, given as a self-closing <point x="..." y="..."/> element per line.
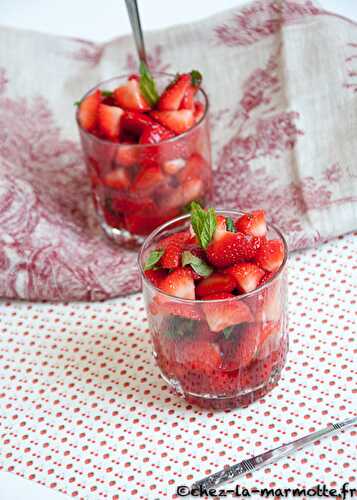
<point x="80" y="19"/>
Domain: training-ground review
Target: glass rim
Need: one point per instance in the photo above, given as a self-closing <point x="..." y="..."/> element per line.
<point x="138" y="146"/>
<point x="243" y="296"/>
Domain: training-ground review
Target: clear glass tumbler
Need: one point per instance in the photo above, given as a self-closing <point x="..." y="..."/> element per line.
<point x="211" y="368"/>
<point x="172" y="173"/>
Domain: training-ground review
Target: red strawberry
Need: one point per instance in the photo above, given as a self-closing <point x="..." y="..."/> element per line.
<point x="127" y="154"/>
<point x="243" y="350"/>
<point x="117" y="179"/>
<point x="129" y="97"/>
<point x="199" y="111"/>
<point x="172" y="96"/>
<point x="220" y="315"/>
<point x="173" y="246"/>
<point x="155" y="276"/>
<point x="217" y="282"/>
<point x="133" y="122"/>
<point x="180" y="284"/>
<point x="88" y="111"/>
<point x="148" y="179"/>
<point x="198" y="355"/>
<point x="204" y="333"/>
<point x="109" y="118"/>
<point x="187" y="101"/>
<point x="247" y="276"/>
<point x="155" y="133"/>
<point x="231" y="248"/>
<point x="143" y="223"/>
<point x="177" y="121"/>
<point x="267" y="276"/>
<point x="253" y="223"/>
<point x="270" y="255"/>
<point x="189" y="311"/>
<point x="172" y="167"/>
<point x="113" y="220"/>
<point x="192" y="189"/>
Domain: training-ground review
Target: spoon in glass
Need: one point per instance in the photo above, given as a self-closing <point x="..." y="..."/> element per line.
<point x="133" y="12"/>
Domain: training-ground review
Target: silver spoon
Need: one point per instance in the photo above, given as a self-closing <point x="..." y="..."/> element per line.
<point x="133" y="12"/>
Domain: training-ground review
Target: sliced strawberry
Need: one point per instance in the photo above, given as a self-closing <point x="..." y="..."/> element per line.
<point x="117" y="179"/>
<point x="270" y="255"/>
<point x="267" y="276"/>
<point x="177" y="121"/>
<point x="188" y="99"/>
<point x="127" y="154"/>
<point x="243" y="349"/>
<point x="253" y="223"/>
<point x="88" y="111"/>
<point x="199" y="111"/>
<point x="232" y="248"/>
<point x="173" y="246"/>
<point x="193" y="189"/>
<point x="247" y="276"/>
<point x="195" y="167"/>
<point x="109" y="118"/>
<point x="172" y="167"/>
<point x="130" y="98"/>
<point x="155" y="133"/>
<point x="155" y="276"/>
<point x="148" y="179"/>
<point x="217" y="282"/>
<point x="220" y="315"/>
<point x="180" y="284"/>
<point x="198" y="355"/>
<point x="174" y="308"/>
<point x="221" y="228"/>
<point x="172" y="96"/>
<point x="133" y="122"/>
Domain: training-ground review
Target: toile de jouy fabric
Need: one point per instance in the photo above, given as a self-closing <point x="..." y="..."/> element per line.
<point x="282" y="81"/>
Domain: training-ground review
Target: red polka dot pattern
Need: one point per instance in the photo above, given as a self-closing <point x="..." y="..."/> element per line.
<point x="82" y="409"/>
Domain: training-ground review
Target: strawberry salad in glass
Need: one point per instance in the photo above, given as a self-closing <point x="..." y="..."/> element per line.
<point x="215" y="290"/>
<point x="146" y="146"/>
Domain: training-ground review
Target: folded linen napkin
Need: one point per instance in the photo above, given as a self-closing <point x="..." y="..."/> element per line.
<point x="282" y="81"/>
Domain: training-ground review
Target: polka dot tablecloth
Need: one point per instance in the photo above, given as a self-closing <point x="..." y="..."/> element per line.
<point x="83" y="411"/>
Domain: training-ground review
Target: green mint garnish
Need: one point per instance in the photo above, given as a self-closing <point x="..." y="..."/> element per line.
<point x="178" y="327"/>
<point x="197" y="264"/>
<point x="204" y="223"/>
<point x="107" y="93"/>
<point x="227" y="332"/>
<point x="147" y="85"/>
<point x="230" y="225"/>
<point x="154" y="257"/>
<point x="196" y="78"/>
<point x="77" y="103"/>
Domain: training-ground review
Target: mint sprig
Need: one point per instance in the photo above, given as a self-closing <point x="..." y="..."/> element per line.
<point x="204" y="223"/>
<point x="154" y="257"/>
<point x="196" y="78"/>
<point x="107" y="93"/>
<point x="148" y="85"/>
<point x="230" y="225"/>
<point x="197" y="264"/>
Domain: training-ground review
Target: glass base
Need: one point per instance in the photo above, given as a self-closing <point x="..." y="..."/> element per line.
<point x="122" y="237"/>
<point x="239" y="400"/>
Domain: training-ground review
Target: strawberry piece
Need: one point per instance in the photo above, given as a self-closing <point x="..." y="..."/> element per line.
<point x="204" y="333"/>
<point x="253" y="223"/>
<point x="172" y="167"/>
<point x="130" y="98"/>
<point x="155" y="276"/>
<point x="243" y="350"/>
<point x="113" y="220"/>
<point x="117" y="179"/>
<point x="126" y="155"/>
<point x="220" y="315"/>
<point x="155" y="133"/>
<point x="135" y="123"/>
<point x="188" y="101"/>
<point x="109" y="118"/>
<point x="189" y="311"/>
<point x="148" y="179"/>
<point x="231" y="248"/>
<point x="267" y="276"/>
<point x="180" y="284"/>
<point x="192" y="189"/>
<point x="198" y="355"/>
<point x="173" y="246"/>
<point x="247" y="276"/>
<point x="270" y="255"/>
<point x="172" y="96"/>
<point x="177" y="121"/>
<point x="88" y="111"/>
<point x="217" y="282"/>
<point x="199" y="111"/>
<point x="221" y="228"/>
<point x="195" y="167"/>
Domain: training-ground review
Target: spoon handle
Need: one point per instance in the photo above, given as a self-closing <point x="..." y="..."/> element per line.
<point x="133" y="12"/>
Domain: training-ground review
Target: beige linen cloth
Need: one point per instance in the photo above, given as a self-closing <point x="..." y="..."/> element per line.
<point x="282" y="82"/>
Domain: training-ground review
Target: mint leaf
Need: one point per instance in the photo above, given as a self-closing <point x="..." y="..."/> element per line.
<point x="204" y="223"/>
<point x="178" y="327"/>
<point x="107" y="93"/>
<point x="77" y="103"/>
<point x="148" y="85"/>
<point x="227" y="332"/>
<point x="154" y="257"/>
<point x="196" y="78"/>
<point x="230" y="225"/>
<point x="197" y="264"/>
